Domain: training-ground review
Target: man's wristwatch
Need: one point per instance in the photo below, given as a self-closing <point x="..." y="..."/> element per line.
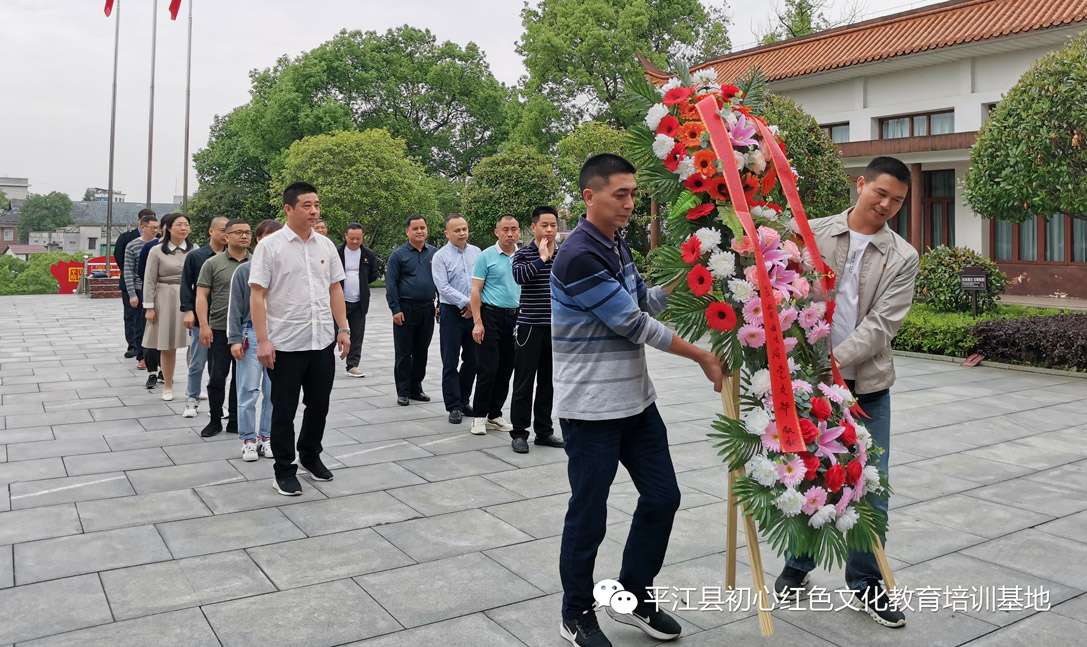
<point x="346" y="330"/>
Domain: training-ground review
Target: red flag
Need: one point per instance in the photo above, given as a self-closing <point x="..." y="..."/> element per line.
<point x="175" y="6"/>
<point x="109" y="7"/>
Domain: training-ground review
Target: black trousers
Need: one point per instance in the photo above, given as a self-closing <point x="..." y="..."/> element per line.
<point x="221" y="363"/>
<point x="494" y="362"/>
<point x="356" y="321"/>
<point x="150" y="356"/>
<point x="532" y="365"/>
<point x="131" y="316"/>
<point x="312" y="373"/>
<point x="455" y="336"/>
<point x="411" y="341"/>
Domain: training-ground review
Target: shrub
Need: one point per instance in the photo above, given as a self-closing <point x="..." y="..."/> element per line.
<point x="938" y="280"/>
<point x="927" y="330"/>
<point x="1056" y="341"/>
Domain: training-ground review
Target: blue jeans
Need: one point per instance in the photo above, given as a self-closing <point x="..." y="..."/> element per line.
<point x="860" y="567"/>
<point x="253" y="382"/>
<point x="455" y="337"/>
<point x="198" y="358"/>
<point x="595" y="448"/>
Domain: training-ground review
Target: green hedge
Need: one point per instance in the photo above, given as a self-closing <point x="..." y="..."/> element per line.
<point x="926" y="330"/>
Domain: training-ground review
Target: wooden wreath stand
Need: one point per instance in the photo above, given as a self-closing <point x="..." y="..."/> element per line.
<point x="730" y="398"/>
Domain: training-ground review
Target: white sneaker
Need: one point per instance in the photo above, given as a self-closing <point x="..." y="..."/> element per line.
<point x="190" y="408"/>
<point x="203" y="395"/>
<point x="168" y="395"/>
<point x="264" y="447"/>
<point x="498" y="424"/>
<point x="479" y="426"/>
<point x="249" y="451"/>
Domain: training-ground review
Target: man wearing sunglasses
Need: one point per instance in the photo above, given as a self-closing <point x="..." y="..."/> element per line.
<point x="212" y="309"/>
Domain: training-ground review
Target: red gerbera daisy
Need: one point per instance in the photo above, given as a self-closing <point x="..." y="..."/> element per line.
<point x="671" y="161"/>
<point x="669" y="125"/>
<point x="696" y="183"/>
<point x="700" y="211"/>
<point x="700" y="281"/>
<point x="721" y="316"/>
<point x="692" y="250"/>
<point x="718" y="188"/>
<point x="676" y="95"/>
<point x="705" y="162"/>
<point x="729" y="91"/>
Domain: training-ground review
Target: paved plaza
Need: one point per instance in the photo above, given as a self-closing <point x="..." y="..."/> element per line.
<point x="120" y="526"/>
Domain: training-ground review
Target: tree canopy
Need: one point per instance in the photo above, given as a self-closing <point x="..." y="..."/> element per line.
<point x="803" y="17"/>
<point x="5" y="204"/>
<point x="44" y="213"/>
<point x="1030" y="158"/>
<point x="588" y="139"/>
<point x="516" y="180"/>
<point x="363" y="177"/>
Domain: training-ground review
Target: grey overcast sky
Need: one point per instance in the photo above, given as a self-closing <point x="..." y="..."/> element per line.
<point x="57" y="59"/>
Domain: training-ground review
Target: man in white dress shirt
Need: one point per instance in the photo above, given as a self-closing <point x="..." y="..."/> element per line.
<point x="296" y="303"/>
<point x="361" y="267"/>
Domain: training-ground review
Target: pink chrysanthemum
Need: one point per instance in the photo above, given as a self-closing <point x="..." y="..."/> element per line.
<point x="771" y="439"/>
<point x="809" y="318"/>
<point x="791" y="473"/>
<point x="843" y="503"/>
<point x="790" y="343"/>
<point x="753" y="312"/>
<point x="787" y="317"/>
<point x="818" y="332"/>
<point x="752" y="336"/>
<point x="814" y="499"/>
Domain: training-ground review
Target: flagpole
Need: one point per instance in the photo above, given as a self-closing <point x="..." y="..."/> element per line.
<point x="151" y="110"/>
<point x="188" y="96"/>
<point x="112" y="137"/>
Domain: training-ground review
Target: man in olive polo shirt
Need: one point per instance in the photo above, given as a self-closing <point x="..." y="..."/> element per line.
<point x="212" y="305"/>
<point x="494" y="302"/>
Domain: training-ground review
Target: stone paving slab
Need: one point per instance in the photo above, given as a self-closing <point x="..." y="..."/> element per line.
<point x="451" y="534"/>
<point x="49" y="559"/>
<point x="250" y="495"/>
<point x="477" y="630"/>
<point x="7" y="567"/>
<point x="48" y="608"/>
<point x="105" y="514"/>
<point x="30" y="494"/>
<point x="39" y="523"/>
<point x="227" y="532"/>
<point x="186" y="628"/>
<point x="177" y="477"/>
<point x="328" y="557"/>
<point x="450" y="496"/>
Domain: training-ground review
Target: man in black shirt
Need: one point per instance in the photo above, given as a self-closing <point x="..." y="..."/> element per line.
<point x="409" y="289"/>
<point x="361" y="267"/>
<point x="130" y="312"/>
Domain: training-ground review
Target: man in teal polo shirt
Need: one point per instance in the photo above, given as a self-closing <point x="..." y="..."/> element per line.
<point x="494" y="301"/>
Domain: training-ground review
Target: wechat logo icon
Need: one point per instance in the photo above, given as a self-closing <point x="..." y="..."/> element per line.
<point x="610" y="593"/>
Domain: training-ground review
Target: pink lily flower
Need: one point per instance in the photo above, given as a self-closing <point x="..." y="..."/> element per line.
<point x="827" y="440"/>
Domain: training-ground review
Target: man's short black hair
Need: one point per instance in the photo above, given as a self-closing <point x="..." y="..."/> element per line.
<point x="503" y="217"/>
<point x="454" y="216"/>
<point x="412" y="218"/>
<point x="236" y="221"/>
<point x="291" y="193"/>
<point x="355" y="225"/>
<point x="144" y="213"/>
<point x="539" y="211"/>
<point x="602" y="167"/>
<point x="887" y="165"/>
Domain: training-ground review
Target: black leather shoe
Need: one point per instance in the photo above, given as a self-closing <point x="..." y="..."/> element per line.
<point x="455" y="416"/>
<point x="549" y="441"/>
<point x="420" y="396"/>
<point x="468" y="412"/>
<point x="520" y="446"/>
<point x="317" y="470"/>
<point x="402" y="401"/>
<point x="130" y="353"/>
<point x="212" y="428"/>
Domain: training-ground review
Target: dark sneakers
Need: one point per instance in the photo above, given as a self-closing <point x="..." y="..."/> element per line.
<point x="874" y="601"/>
<point x="152" y="381"/>
<point x="655" y="623"/>
<point x="549" y="441"/>
<point x="212" y="428"/>
<point x="402" y="400"/>
<point x="790" y="584"/>
<point x="316" y="469"/>
<point x="288" y="486"/>
<point x="584" y="630"/>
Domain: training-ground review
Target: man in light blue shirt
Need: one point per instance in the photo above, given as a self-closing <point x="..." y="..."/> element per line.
<point x="495" y="299"/>
<point x="452" y="273"/>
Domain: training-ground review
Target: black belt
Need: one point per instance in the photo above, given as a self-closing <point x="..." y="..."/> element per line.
<point x="504" y="311"/>
<point x="418" y="302"/>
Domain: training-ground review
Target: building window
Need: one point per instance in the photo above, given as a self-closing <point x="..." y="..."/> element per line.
<point x="919" y="125"/>
<point x="1028" y="239"/>
<point x="900" y="222"/>
<point x="1002" y="241"/>
<point x="1054" y="239"/>
<point x="9" y="234"/>
<point x="1079" y="240"/>
<point x="92" y="243"/>
<point x="938" y="208"/>
<point x="838" y="133"/>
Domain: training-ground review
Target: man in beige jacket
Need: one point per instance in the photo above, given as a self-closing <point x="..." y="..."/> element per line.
<point x="875" y="271"/>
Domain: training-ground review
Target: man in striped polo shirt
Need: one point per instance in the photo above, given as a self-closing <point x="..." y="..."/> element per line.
<point x="532" y="271"/>
<point x="602" y="318"/>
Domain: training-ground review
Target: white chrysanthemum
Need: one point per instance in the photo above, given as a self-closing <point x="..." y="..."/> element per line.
<point x="654" y="116"/>
<point x="662" y="145"/>
<point x="673" y="82"/>
<point x="685" y="169"/>
<point x="793" y="366"/>
<point x="710" y="238"/>
<point x="864" y="437"/>
<point x="741" y="290"/>
<point x="762" y="470"/>
<point x="790" y="502"/>
<point x="756" y="161"/>
<point x="871" y="479"/>
<point x="821" y="516"/>
<point x="766" y="213"/>
<point x="756" y="421"/>
<point x="848" y="519"/>
<point x="707" y="75"/>
<point x="760" y="382"/>
<point x="722" y="265"/>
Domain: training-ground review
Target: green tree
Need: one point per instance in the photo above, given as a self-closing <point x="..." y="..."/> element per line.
<point x="516" y="180"/>
<point x="88" y="195"/>
<point x="578" y="52"/>
<point x="44" y="213"/>
<point x="363" y="177"/>
<point x="803" y="17"/>
<point x="1030" y="158"/>
<point x="588" y="139"/>
<point x="714" y="41"/>
<point x="5" y="204"/>
<point x="31" y="277"/>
